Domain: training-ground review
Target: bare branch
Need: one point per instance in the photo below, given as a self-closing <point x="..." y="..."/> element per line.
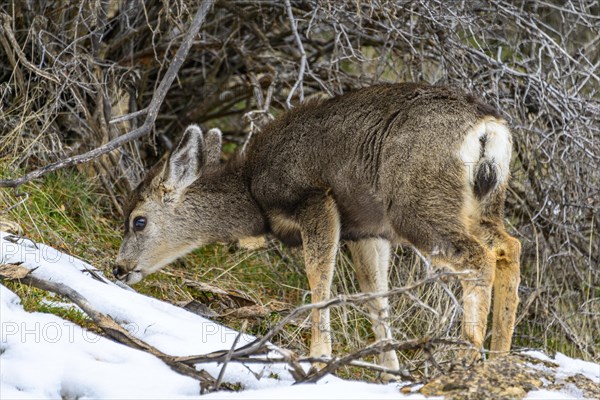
<point x="5" y="27"/>
<point x="105" y="322"/>
<point x="151" y="113"/>
<point x="303" y="62"/>
<point x="359" y="298"/>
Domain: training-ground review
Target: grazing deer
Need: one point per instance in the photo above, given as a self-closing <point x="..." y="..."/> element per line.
<point x="388" y="164"/>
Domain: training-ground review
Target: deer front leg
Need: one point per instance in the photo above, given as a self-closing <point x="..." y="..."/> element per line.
<point x="320" y="228"/>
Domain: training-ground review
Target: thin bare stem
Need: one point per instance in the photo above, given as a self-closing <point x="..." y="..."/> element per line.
<point x="151" y="114"/>
<point x="303" y="62"/>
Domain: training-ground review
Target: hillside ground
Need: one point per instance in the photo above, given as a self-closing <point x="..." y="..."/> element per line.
<point x="230" y="284"/>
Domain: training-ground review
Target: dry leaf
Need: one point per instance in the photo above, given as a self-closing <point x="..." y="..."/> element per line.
<point x="248" y="312"/>
<point x="13" y="271"/>
<point x="10" y="227"/>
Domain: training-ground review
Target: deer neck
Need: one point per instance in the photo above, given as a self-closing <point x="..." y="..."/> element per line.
<point x="238" y="211"/>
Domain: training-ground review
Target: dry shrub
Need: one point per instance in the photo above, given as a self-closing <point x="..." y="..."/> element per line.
<point x="71" y="67"/>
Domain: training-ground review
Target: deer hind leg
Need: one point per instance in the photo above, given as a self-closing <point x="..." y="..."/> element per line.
<point x="449" y="242"/>
<point x="466" y="253"/>
<point x="371" y="259"/>
<point x="319" y="224"/>
<point x="507" y="250"/>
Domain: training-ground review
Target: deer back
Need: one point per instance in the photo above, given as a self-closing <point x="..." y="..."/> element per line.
<point x="384" y="144"/>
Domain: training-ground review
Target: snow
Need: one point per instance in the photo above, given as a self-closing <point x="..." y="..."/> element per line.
<point x="568" y="366"/>
<point x="549" y="395"/>
<point x="44" y="356"/>
<point x="537" y="354"/>
<point x="338" y="389"/>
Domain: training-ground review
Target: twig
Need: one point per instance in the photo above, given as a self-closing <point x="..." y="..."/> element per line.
<point x="294" y="24"/>
<point x="152" y="110"/>
<point x="16" y="193"/>
<point x="6" y="28"/>
<point x="105" y="322"/>
<point x="229" y="353"/>
<point x="129" y="116"/>
<point x="291" y="359"/>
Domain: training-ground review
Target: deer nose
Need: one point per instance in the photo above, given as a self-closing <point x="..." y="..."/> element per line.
<point x="118" y="271"/>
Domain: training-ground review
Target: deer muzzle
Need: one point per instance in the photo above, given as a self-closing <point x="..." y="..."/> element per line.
<point x="127" y="275"/>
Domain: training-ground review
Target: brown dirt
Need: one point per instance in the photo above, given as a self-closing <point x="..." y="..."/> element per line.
<point x="510" y="377"/>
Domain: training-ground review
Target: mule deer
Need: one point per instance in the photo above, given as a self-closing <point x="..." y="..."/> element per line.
<point x="388" y="164"/>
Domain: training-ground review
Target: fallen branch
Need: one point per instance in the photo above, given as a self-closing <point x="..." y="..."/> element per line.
<point x="105" y="322"/>
<point x="151" y="111"/>
<point x="257" y="352"/>
<point x="260" y="344"/>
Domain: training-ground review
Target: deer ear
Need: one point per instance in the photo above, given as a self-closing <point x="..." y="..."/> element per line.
<point x="185" y="162"/>
<point x="212" y="146"/>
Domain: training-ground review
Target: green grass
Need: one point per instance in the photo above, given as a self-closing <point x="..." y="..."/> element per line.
<point x="68" y="212"/>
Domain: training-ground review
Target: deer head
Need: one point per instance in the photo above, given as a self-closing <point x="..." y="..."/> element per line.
<point x="165" y="217"/>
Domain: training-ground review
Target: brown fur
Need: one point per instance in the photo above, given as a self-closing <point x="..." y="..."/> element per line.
<point x="380" y="163"/>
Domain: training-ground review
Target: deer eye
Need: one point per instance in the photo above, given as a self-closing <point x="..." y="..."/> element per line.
<point x="139" y="223"/>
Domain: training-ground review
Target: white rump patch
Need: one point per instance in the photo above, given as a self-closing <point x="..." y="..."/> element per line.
<point x="498" y="148"/>
<point x="470" y="150"/>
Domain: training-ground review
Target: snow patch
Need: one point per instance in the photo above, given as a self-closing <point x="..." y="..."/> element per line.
<point x="568" y="366"/>
<point x="346" y="390"/>
<point x="549" y="395"/>
<point x="44" y="356"/>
